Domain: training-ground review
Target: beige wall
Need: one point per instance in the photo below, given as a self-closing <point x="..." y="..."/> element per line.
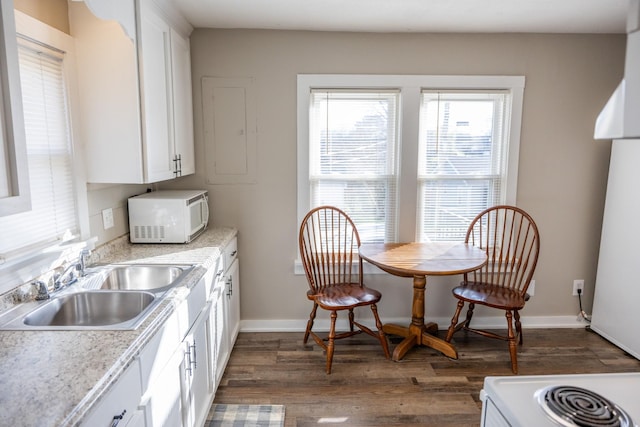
<point x="51" y="12"/>
<point x="562" y="171"/>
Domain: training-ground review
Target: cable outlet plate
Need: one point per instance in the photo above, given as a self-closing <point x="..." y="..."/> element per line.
<point x="578" y="284"/>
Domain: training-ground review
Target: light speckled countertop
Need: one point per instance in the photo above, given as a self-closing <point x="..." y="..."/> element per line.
<point x="53" y="378"/>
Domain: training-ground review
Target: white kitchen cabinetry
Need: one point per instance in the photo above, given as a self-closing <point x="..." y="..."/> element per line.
<point x="174" y="379"/>
<point x="175" y="364"/>
<point x="119" y="407"/>
<point x="134" y="78"/>
<point x="195" y="373"/>
<point x="225" y="313"/>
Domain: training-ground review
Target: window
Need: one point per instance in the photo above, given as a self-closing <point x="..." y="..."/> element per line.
<point x="461" y="167"/>
<point x="353" y="139"/>
<point x="53" y="216"/>
<point x="408" y="157"/>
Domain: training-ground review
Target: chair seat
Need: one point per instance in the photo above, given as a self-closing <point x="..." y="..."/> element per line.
<point x="344" y="296"/>
<point x="492" y="296"/>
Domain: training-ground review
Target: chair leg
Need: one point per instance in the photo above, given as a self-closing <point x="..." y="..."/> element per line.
<point x="381" y="335"/>
<point x="516" y="315"/>
<point x="513" y="349"/>
<point x="454" y="321"/>
<point x="351" y="319"/>
<point x="312" y="317"/>
<point x="469" y="314"/>
<point x="331" y="343"/>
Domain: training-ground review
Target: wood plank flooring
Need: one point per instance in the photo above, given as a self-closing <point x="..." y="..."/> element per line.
<point x="424" y="389"/>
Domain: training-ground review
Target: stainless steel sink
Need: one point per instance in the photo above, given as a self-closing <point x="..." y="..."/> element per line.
<point x="142" y="277"/>
<point x="91" y="309"/>
<point x="109" y="297"/>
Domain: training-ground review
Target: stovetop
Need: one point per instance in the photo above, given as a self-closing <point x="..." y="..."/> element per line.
<point x="516" y="399"/>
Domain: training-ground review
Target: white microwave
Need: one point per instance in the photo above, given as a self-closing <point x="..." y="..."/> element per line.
<point x="169" y="216"/>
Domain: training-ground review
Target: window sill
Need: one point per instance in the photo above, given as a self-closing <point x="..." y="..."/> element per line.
<point x="298" y="269"/>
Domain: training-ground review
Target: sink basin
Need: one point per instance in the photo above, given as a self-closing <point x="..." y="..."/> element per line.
<point x="91" y="309"/>
<point x="109" y="297"/>
<point x="142" y="277"/>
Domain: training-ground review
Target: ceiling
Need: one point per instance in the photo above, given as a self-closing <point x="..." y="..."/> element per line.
<point x="538" y="16"/>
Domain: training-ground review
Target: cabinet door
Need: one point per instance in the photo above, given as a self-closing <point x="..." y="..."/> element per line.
<point x="195" y="372"/>
<point x="182" y="104"/>
<point x="233" y="301"/>
<point x="155" y="74"/>
<point x="163" y="400"/>
<point x="217" y="348"/>
<point x="221" y="330"/>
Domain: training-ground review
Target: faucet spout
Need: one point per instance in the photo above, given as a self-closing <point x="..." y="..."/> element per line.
<point x="67" y="277"/>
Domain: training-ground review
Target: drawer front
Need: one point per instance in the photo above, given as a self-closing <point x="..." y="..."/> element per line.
<point x="119" y="404"/>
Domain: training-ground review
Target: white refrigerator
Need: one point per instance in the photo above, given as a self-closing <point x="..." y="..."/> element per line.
<point x="617" y="292"/>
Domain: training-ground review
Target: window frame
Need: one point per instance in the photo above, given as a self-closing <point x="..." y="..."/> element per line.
<point x="33" y="261"/>
<point x="12" y="133"/>
<point x="410" y="87"/>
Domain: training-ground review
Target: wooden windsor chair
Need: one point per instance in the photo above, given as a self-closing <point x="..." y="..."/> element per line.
<point x="511" y="240"/>
<point x="329" y="243"/>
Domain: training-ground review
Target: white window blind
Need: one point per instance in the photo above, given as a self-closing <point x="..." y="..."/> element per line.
<point x="462" y="159"/>
<point x="353" y="153"/>
<point x="49" y="153"/>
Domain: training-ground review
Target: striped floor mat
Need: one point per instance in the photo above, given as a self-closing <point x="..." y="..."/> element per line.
<point x="221" y="415"/>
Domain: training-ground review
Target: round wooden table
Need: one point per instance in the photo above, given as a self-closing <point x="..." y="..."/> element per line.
<point x="419" y="260"/>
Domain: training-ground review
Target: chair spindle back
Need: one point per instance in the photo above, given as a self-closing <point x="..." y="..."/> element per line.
<point x="329" y="243"/>
<point x="511" y="240"/>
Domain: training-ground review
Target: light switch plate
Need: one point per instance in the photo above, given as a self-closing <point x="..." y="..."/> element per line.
<point x="107" y="218"/>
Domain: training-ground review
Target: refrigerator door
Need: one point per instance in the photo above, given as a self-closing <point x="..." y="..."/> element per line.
<point x="617" y="290"/>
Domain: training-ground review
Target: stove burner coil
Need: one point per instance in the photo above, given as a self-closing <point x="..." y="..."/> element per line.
<point x="574" y="406"/>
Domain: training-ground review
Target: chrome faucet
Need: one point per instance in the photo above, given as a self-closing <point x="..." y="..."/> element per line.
<point x="61" y="280"/>
<point x="82" y="262"/>
<point x="43" y="292"/>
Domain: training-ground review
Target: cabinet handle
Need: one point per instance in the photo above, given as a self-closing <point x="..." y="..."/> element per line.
<point x="234" y="253"/>
<point x="195" y="358"/>
<point x="188" y="368"/>
<point x="230" y="287"/>
<point x="117" y="418"/>
<point x="191" y="360"/>
<point x="177" y="165"/>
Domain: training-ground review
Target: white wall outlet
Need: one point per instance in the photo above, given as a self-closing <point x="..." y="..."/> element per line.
<point x="531" y="290"/>
<point x="578" y="284"/>
<point x="107" y="218"/>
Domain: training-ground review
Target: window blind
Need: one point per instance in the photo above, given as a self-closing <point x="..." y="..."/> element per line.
<point x="49" y="153"/>
<point x="462" y="159"/>
<point x="353" y="146"/>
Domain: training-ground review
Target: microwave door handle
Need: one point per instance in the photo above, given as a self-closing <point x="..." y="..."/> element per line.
<point x="205" y="203"/>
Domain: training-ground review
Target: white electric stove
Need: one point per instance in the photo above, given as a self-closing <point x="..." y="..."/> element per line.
<point x="561" y="400"/>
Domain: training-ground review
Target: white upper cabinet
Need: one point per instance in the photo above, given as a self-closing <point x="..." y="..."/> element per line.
<point x="134" y="76"/>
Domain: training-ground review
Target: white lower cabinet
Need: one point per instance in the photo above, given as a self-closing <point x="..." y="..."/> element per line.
<point x="162" y="403"/>
<point x="175" y="367"/>
<point x="173" y="381"/>
<point x="224" y="319"/>
<point x="194" y="373"/>
<point x="119" y="406"/>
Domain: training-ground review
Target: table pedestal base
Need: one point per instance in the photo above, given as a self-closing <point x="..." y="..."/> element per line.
<point x="419" y="333"/>
<point x="415" y="335"/>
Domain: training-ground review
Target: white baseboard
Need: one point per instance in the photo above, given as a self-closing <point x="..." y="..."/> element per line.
<point x="497" y="322"/>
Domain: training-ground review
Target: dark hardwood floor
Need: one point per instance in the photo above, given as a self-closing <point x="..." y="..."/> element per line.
<point x="424" y="389"/>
